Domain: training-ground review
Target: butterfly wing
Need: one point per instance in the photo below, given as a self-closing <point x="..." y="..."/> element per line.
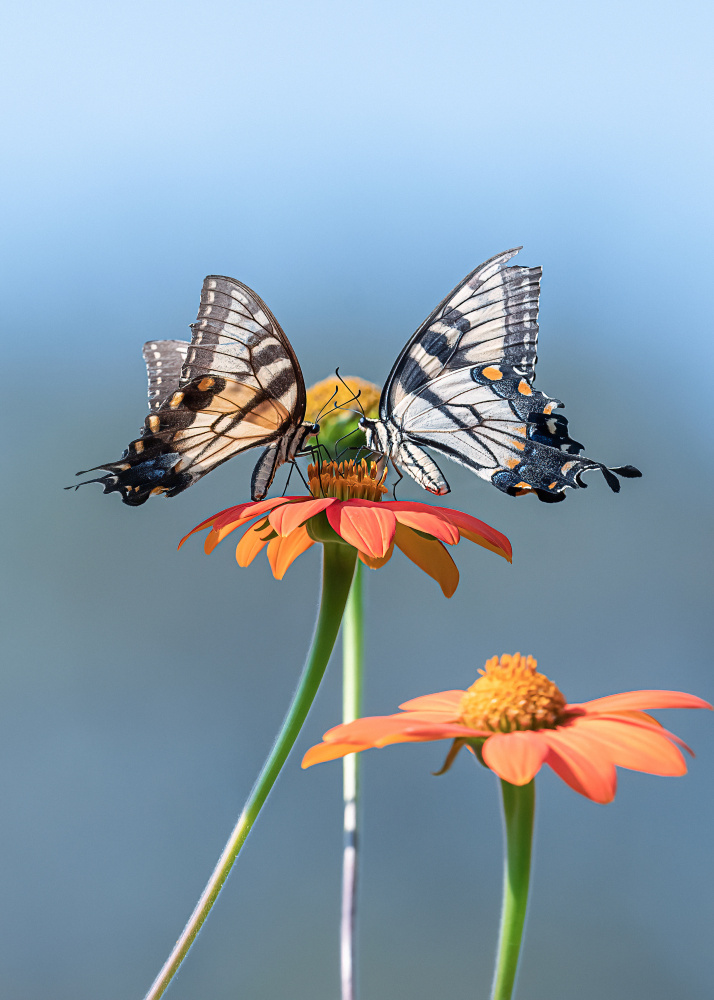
<point x="463" y="386"/>
<point x="240" y="386"/>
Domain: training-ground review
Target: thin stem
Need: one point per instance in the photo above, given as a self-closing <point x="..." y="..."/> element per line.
<point x="518" y="813"/>
<point x="352" y="674"/>
<point x="337" y="571"/>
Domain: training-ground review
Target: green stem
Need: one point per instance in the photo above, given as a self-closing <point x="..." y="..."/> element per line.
<point x="518" y="812"/>
<point x="352" y="676"/>
<point x="337" y="572"/>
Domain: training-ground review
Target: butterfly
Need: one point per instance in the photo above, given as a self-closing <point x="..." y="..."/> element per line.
<point x="235" y="386"/>
<point x="463" y="386"/>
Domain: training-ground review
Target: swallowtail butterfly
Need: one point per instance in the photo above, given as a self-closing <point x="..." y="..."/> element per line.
<point x="235" y="386"/>
<point x="463" y="386"/>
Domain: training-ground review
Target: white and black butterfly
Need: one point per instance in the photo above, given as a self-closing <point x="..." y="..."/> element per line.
<point x="237" y="385"/>
<point x="463" y="386"/>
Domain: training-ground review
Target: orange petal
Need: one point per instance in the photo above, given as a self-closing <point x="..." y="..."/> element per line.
<point x="250" y="510"/>
<point x="516" y="757"/>
<point x="639" y="716"/>
<point x="429" y="555"/>
<point x="329" y="751"/>
<point x="251" y="544"/>
<point x="642" y="700"/>
<point x="638" y="747"/>
<point x="479" y="532"/>
<point x="430" y="523"/>
<point x="376" y="563"/>
<point x="441" y="730"/>
<point x="581" y="763"/>
<point x="442" y="701"/>
<point x="365" y="524"/>
<point x="290" y="516"/>
<point x="403" y="727"/>
<point x="235" y="516"/>
<point x="366" y="730"/>
<point x="282" y="552"/>
<point x="648" y="723"/>
<point x="217" y="535"/>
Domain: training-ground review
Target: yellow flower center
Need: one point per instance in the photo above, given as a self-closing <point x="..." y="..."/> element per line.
<point x="347" y="481"/>
<point x="511" y="694"/>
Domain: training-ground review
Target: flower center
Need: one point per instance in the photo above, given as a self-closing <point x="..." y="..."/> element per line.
<point x="511" y="694"/>
<point x="347" y="481"/>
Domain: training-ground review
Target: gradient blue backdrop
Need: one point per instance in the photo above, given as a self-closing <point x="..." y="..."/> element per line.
<point x="351" y="162"/>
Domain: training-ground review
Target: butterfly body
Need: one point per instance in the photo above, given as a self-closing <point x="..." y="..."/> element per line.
<point x="237" y="385"/>
<point x="463" y="386"/>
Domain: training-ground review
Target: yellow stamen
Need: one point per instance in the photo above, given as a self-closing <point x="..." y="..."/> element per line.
<point x="510" y="695"/>
<point x="347" y="481"/>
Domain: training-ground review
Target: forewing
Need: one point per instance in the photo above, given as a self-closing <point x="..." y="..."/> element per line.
<point x="491" y="316"/>
<point x="236" y="336"/>
<point x="164" y="361"/>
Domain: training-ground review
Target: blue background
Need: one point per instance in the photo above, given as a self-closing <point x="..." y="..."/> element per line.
<point x="351" y="163"/>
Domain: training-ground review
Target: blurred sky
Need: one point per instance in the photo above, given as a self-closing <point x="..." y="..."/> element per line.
<point x="351" y="162"/>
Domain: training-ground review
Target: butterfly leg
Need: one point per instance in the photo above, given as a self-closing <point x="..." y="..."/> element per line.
<point x="394" y="488"/>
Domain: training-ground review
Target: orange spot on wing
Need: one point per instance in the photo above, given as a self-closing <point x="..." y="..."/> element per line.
<point x="524" y="388"/>
<point x="206" y="383"/>
<point x="494" y="374"/>
<point x="511" y="463"/>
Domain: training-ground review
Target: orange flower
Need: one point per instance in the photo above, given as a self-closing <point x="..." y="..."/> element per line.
<point x="346" y="506"/>
<point x="515" y="719"/>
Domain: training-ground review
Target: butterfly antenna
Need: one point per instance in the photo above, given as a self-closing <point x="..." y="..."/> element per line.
<point x="317" y="418"/>
<point x="354" y="395"/>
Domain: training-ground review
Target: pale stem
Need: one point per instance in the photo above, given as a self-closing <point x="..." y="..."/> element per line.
<point x="352" y="674"/>
<point x="518" y="813"/>
<point x="337" y="572"/>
